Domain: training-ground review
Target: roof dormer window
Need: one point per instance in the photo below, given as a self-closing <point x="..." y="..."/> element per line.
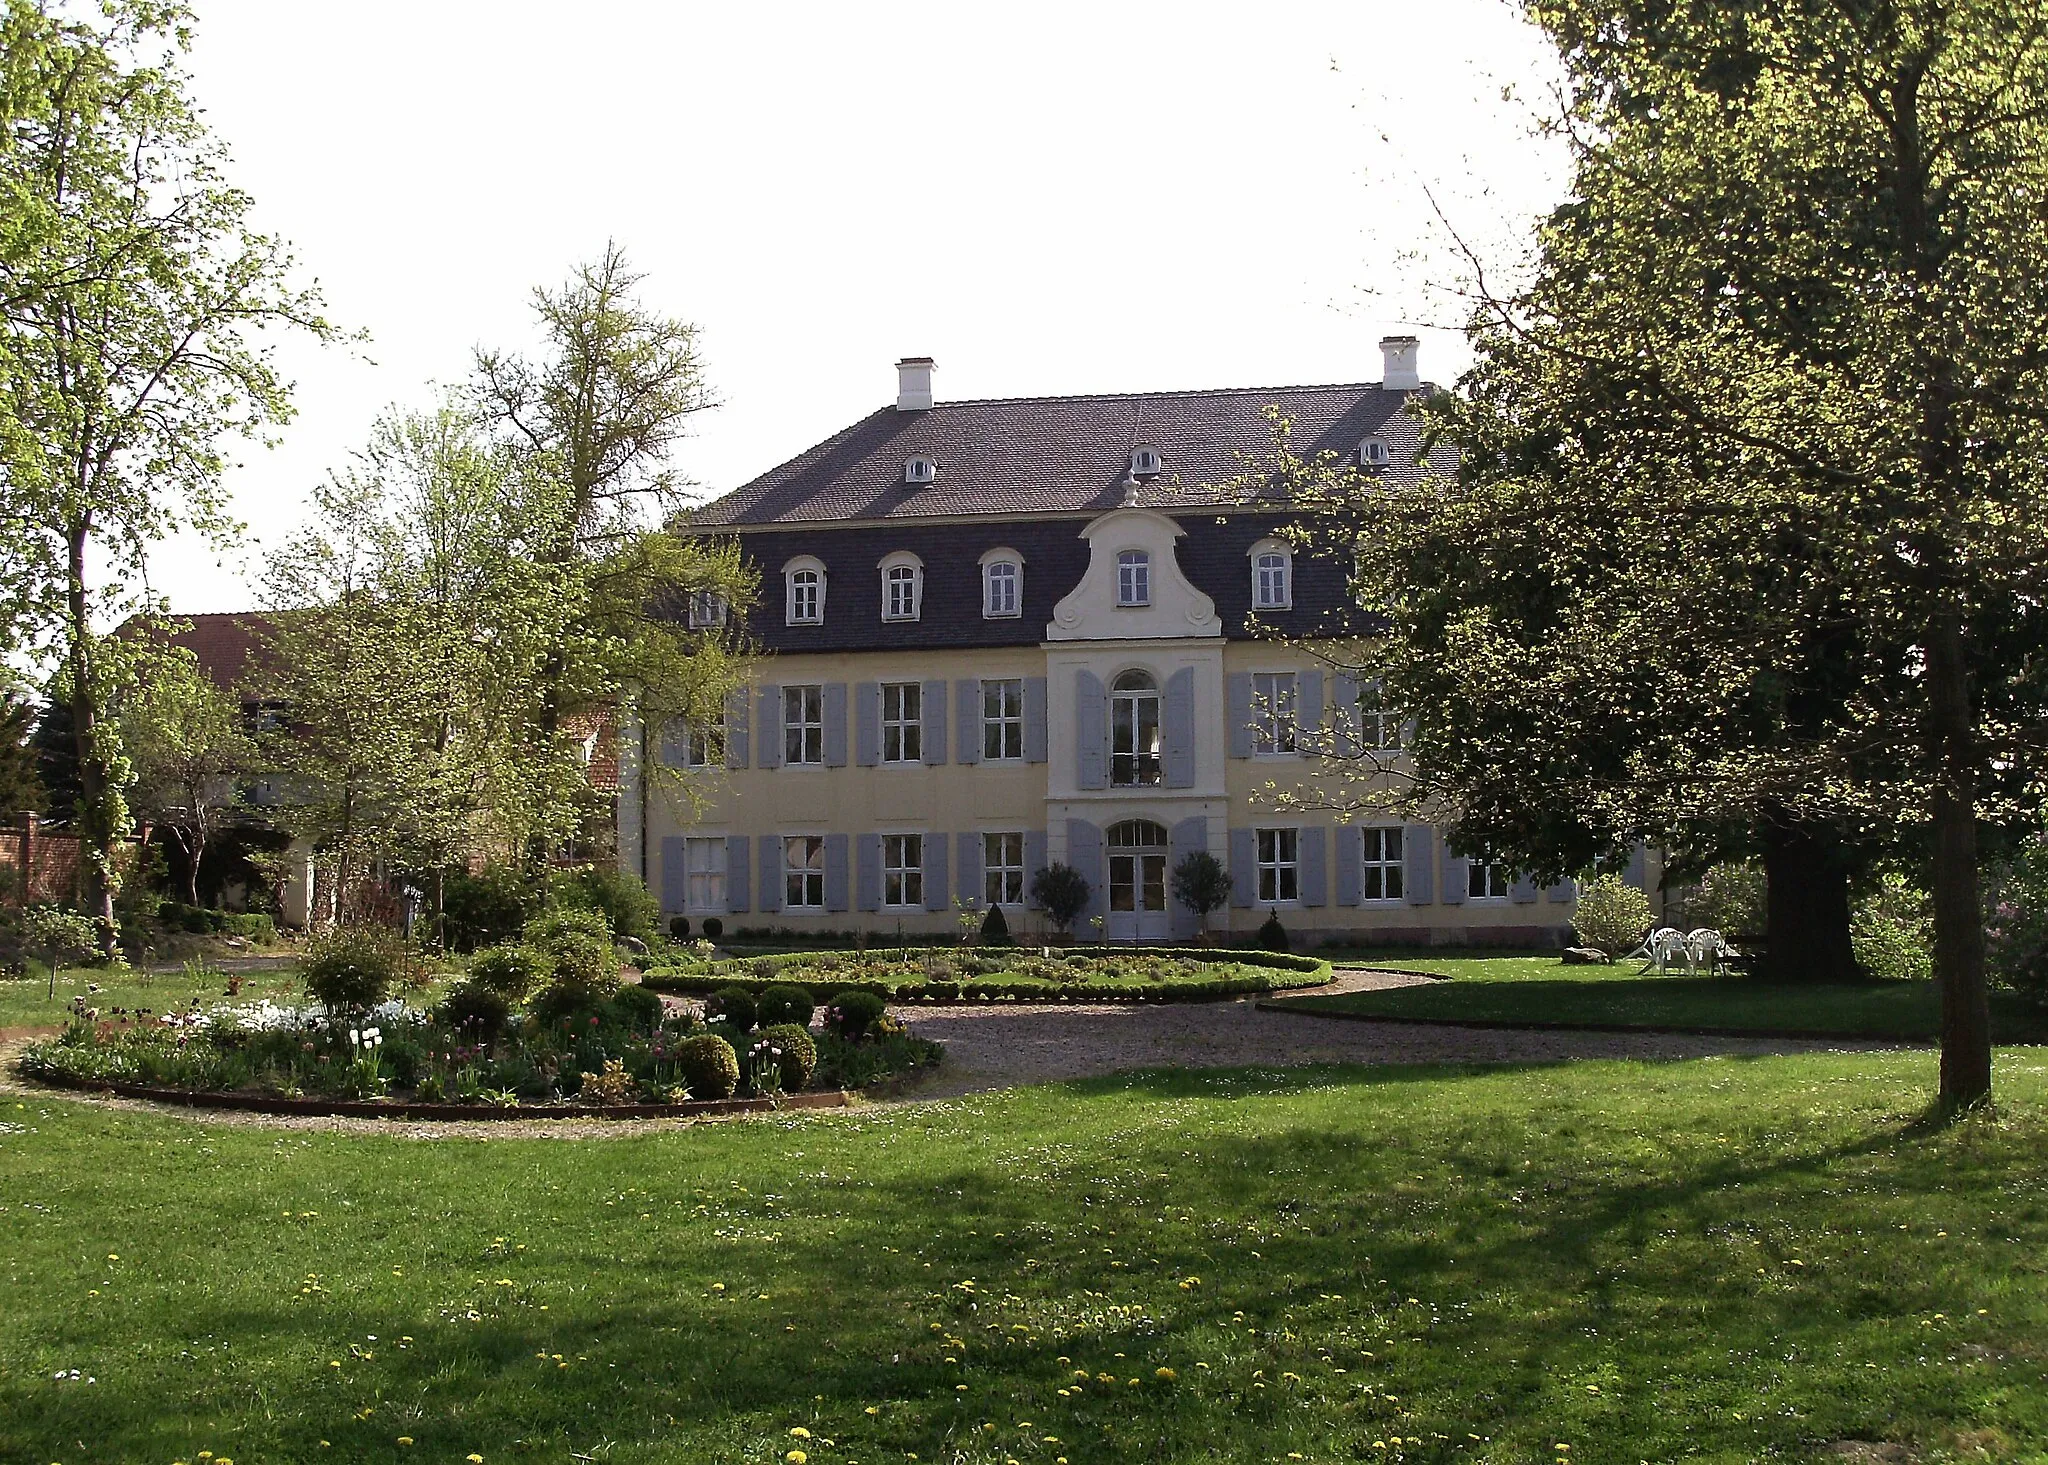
<point x="1372" y="453"/>
<point x="920" y="470"/>
<point x="1145" y="462"/>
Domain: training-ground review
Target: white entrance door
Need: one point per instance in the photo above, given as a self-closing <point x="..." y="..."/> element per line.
<point x="1137" y="882"/>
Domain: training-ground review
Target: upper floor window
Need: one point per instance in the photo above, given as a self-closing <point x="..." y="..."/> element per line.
<point x="920" y="470"/>
<point x="1379" y="726"/>
<point x="803" y="725"/>
<point x="1002" y="584"/>
<point x="1372" y="453"/>
<point x="1134" y="731"/>
<point x="1273" y="712"/>
<point x="902" y="587"/>
<point x="803" y="580"/>
<point x="1133" y="577"/>
<point x="902" y="722"/>
<point x="701" y="746"/>
<point x="1272" y="576"/>
<point x="707" y="610"/>
<point x="1145" y="462"/>
<point x="1002" y="719"/>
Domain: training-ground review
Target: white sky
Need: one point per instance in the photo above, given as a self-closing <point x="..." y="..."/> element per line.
<point x="1048" y="198"/>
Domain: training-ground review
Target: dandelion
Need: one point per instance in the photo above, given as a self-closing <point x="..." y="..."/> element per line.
<point x="799" y="1433"/>
<point x="474" y="1459"/>
<point x="796" y="1457"/>
<point x="405" y="1439"/>
<point x="1165" y="1375"/>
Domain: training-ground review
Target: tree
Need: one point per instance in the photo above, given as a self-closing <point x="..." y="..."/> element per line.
<point x="1752" y="487"/>
<point x="134" y="292"/>
<point x="20" y="789"/>
<point x="1061" y="892"/>
<point x="1201" y="884"/>
<point x="185" y="739"/>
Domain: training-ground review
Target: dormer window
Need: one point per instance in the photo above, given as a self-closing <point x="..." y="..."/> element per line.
<point x="1372" y="453"/>
<point x="902" y="586"/>
<point x="803" y="580"/>
<point x="1145" y="462"/>
<point x="1002" y="584"/>
<point x="920" y="470"/>
<point x="707" y="610"/>
<point x="1133" y="577"/>
<point x="1272" y="575"/>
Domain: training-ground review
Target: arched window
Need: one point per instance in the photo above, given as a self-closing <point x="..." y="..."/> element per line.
<point x="1272" y="575"/>
<point x="1002" y="584"/>
<point x="1133" y="577"/>
<point x="803" y="580"/>
<point x="902" y="586"/>
<point x="1145" y="462"/>
<point x="1134" y="731"/>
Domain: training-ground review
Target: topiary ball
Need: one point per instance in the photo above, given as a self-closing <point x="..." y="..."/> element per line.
<point x="799" y="1054"/>
<point x="852" y="1014"/>
<point x="709" y="1066"/>
<point x="783" y="1002"/>
<point x="734" y="1006"/>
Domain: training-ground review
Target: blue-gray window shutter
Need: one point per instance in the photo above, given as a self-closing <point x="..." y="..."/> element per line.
<point x="675" y="877"/>
<point x="736" y="724"/>
<point x="1457" y="877"/>
<point x="867" y="723"/>
<point x="1638" y="872"/>
<point x="1308" y="711"/>
<point x="1034" y="720"/>
<point x="1034" y="858"/>
<point x="967" y="881"/>
<point x="935" y="868"/>
<point x="769" y="727"/>
<point x="835" y="724"/>
<point x="1350" y="871"/>
<point x="1084" y="853"/>
<point x="1523" y="890"/>
<point x="1238" y="708"/>
<point x="1179" y="739"/>
<point x="1563" y="893"/>
<point x="1314" y="881"/>
<point x="1244" y="867"/>
<point x="1418" y="863"/>
<point x="1091" y="731"/>
<point x="673" y="733"/>
<point x="739" y="852"/>
<point x="835" y="872"/>
<point x="867" y="872"/>
<point x="1344" y="740"/>
<point x="771" y="874"/>
<point x="933" y="700"/>
<point x="967" y="719"/>
<point x="1183" y="839"/>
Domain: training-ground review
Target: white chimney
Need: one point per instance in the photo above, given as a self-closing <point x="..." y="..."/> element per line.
<point x="914" y="383"/>
<point x="1401" y="373"/>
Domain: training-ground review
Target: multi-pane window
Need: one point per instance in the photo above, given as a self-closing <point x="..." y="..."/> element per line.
<point x="902" y="722"/>
<point x="1273" y="712"/>
<point x="704" y="874"/>
<point x="1269" y="581"/>
<point x="1000" y="583"/>
<point x="900" y="585"/>
<point x="1485" y="882"/>
<point x="803" y="724"/>
<point x="903" y="869"/>
<point x="1002" y="869"/>
<point x="703" y="747"/>
<point x="1134" y="731"/>
<point x="1279" y="864"/>
<point x="707" y="609"/>
<point x="1002" y="718"/>
<point x="1379" y="871"/>
<point x="1379" y="726"/>
<point x="1134" y="578"/>
<point x="806" y="597"/>
<point x="803" y="872"/>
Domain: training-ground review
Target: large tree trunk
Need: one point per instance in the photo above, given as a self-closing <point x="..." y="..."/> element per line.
<point x="1806" y="905"/>
<point x="97" y="821"/>
<point x="1958" y="904"/>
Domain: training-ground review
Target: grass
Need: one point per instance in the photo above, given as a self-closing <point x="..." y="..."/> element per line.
<point x="1723" y="1260"/>
<point x="23" y="1003"/>
<point x="1538" y="989"/>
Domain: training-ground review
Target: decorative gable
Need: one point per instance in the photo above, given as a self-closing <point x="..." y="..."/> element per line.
<point x="1099" y="608"/>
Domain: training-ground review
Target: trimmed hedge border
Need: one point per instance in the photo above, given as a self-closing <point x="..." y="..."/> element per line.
<point x="1291" y="973"/>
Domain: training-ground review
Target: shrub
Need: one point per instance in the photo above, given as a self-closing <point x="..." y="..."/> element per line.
<point x="1272" y="935"/>
<point x="1612" y="915"/>
<point x="1062" y="892"/>
<point x="853" y="1014"/>
<point x="1891" y="932"/>
<point x="713" y="927"/>
<point x="620" y="897"/>
<point x="486" y="908"/>
<point x="476" y="1010"/>
<point x="783" y="1003"/>
<point x="709" y="1066"/>
<point x="1201" y="883"/>
<point x="679" y="928"/>
<point x="734" y="1006"/>
<point x="611" y="1086"/>
<point x="1730" y="899"/>
<point x="799" y="1054"/>
<point x="576" y="952"/>
<point x="352" y="969"/>
<point x="995" y="928"/>
<point x="250" y="926"/>
<point x="2016" y="923"/>
<point x="513" y="971"/>
<point x="637" y="1008"/>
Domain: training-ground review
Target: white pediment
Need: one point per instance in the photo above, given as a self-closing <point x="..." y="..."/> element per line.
<point x="1094" y="610"/>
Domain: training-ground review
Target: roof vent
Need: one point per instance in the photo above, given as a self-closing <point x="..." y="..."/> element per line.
<point x="919" y="470"/>
<point x="1144" y="462"/>
<point x="914" y="383"/>
<point x="1372" y="453"/>
<point x="1397" y="355"/>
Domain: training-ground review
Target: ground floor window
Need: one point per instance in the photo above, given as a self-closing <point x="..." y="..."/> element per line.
<point x="1279" y="864"/>
<point x="1485" y="882"/>
<point x="803" y="865"/>
<point x="1002" y="869"/>
<point x="1380" y="870"/>
<point x="903" y="870"/>
<point x="704" y="869"/>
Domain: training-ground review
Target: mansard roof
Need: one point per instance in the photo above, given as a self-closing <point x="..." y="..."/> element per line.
<point x="1063" y="455"/>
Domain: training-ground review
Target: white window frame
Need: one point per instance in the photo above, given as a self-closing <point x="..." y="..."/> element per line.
<point x="1133" y="577"/>
<point x="708" y="610"/>
<point x="704" y="879"/>
<point x="1382" y="863"/>
<point x="1379" y="726"/>
<point x="703" y="747"/>
<point x="1272" y="585"/>
<point x="1276" y="714"/>
<point x="1146" y="461"/>
<point x="920" y="469"/>
<point x="803" y="872"/>
<point x="902" y="586"/>
<point x="1486" y="881"/>
<point x="794" y="610"/>
<point x="1278" y="856"/>
<point x="1002" y="720"/>
<point x="1373" y="453"/>
<point x="1002" y="568"/>
<point x="902" y="722"/>
<point x="903" y="872"/>
<point x="1137" y="710"/>
<point x="803" y="725"/>
<point x="1002" y="867"/>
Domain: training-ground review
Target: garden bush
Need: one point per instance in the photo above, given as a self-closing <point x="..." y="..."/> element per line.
<point x="734" y="1005"/>
<point x="1892" y="932"/>
<point x="250" y="926"/>
<point x="1061" y="892"/>
<point x="576" y="946"/>
<point x="853" y="1014"/>
<point x="783" y="1003"/>
<point x="512" y="971"/>
<point x="352" y="969"/>
<point x="713" y="927"/>
<point x="1272" y="935"/>
<point x="477" y="1011"/>
<point x="486" y="908"/>
<point x="2016" y="921"/>
<point x="995" y="928"/>
<point x="1612" y="915"/>
<point x="1731" y="900"/>
<point x="799" y="1055"/>
<point x="637" y="1009"/>
<point x="1202" y="884"/>
<point x="679" y="928"/>
<point x="628" y="909"/>
<point x="709" y="1066"/>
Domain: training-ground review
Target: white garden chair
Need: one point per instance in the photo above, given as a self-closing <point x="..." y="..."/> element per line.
<point x="1662" y="948"/>
<point x="1706" y="947"/>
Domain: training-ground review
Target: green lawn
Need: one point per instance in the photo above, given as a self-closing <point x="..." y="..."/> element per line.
<point x="1539" y="989"/>
<point x="23" y="1003"/>
<point x="1724" y="1260"/>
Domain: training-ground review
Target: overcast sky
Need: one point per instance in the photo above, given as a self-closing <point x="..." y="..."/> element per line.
<point x="1054" y="198"/>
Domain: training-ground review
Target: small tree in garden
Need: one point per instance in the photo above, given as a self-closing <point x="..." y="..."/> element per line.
<point x="995" y="927"/>
<point x="1612" y="915"/>
<point x="1062" y="892"/>
<point x="352" y="969"/>
<point x="60" y="936"/>
<point x="1202" y="884"/>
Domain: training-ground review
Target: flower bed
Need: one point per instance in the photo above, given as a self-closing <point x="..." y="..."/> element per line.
<point x="984" y="974"/>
